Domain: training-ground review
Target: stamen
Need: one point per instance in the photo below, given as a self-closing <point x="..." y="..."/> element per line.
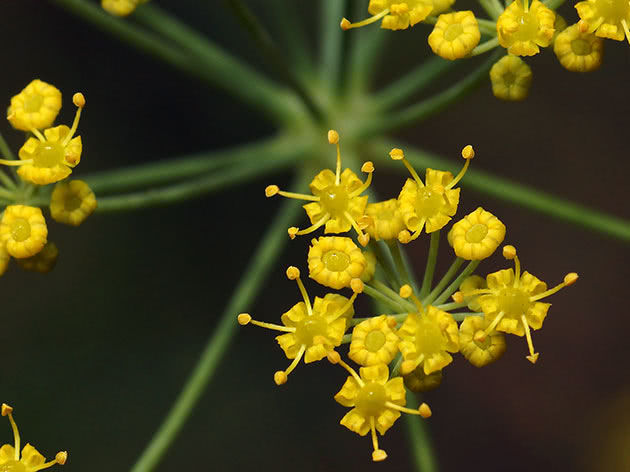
<point x="425" y="411"/>
<point x="408" y="366"/>
<point x="403" y="409"/>
<point x="625" y="28"/>
<point x="494" y="324"/>
<point x="517" y="271"/>
<point x="307" y="302"/>
<point x="297" y="196"/>
<point x="465" y="152"/>
<point x="310" y="229"/>
<point x="338" y="169"/>
<point x="533" y="356"/>
<point x="38" y="134"/>
<point x="296" y="360"/>
<point x="551" y="291"/>
<point x="8" y="162"/>
<point x="245" y="319"/>
<point x="363" y="239"/>
<point x="352" y="372"/>
<point x="349" y="303"/>
<point x="346" y="25"/>
<point x="6" y="411"/>
<point x="79" y="100"/>
<point x="368" y="168"/>
<point x="378" y="455"/>
<point x="411" y="170"/>
<point x="60" y="459"/>
<point x="416" y="233"/>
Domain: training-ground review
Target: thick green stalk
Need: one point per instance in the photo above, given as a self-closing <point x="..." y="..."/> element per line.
<point x="332" y="41"/>
<point x="430" y="267"/>
<point x="420" y="440"/>
<point x="510" y="191"/>
<point x="427" y="73"/>
<point x="181" y="167"/>
<point x="431" y="106"/>
<point x="218" y="343"/>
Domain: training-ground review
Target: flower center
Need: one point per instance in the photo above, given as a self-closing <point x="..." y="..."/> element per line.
<point x="310" y="327"/>
<point x="48" y="154"/>
<point x="336" y="261"/>
<point x="33" y="103"/>
<point x="72" y="203"/>
<point x="429" y="201"/>
<point x="487" y="341"/>
<point x="335" y="200"/>
<point x="476" y="233"/>
<point x="453" y="31"/>
<point x="374" y="341"/>
<point x="371" y="399"/>
<point x="429" y="337"/>
<point x="612" y="10"/>
<point x="12" y="466"/>
<point x="514" y="302"/>
<point x="528" y="27"/>
<point x="20" y="229"/>
<point x="581" y="47"/>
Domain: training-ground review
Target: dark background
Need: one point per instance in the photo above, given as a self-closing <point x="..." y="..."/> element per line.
<point x="94" y="353"/>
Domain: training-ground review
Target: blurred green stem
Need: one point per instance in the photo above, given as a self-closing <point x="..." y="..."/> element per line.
<point x="430" y="267"/>
<point x="420" y="440"/>
<point x="218" y="343"/>
<point x="332" y="41"/>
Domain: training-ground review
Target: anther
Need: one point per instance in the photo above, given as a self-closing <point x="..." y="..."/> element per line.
<point x="6" y="409"/>
<point x="379" y="455"/>
<point x="244" y="318"/>
<point x="404" y="236"/>
<point x="509" y="252"/>
<point x="345" y="24"/>
<point x="333" y="357"/>
<point x="365" y="221"/>
<point x="356" y="285"/>
<point x="61" y="457"/>
<point x="293" y="231"/>
<point x="425" y="411"/>
<point x="280" y="378"/>
<point x="333" y="136"/>
<point x="397" y="154"/>
<point x="363" y="239"/>
<point x="407" y="367"/>
<point x="367" y="167"/>
<point x="582" y="26"/>
<point x="458" y="297"/>
<point x="293" y="272"/>
<point x="479" y="336"/>
<point x="78" y="99"/>
<point x="271" y="190"/>
<point x="468" y="152"/>
<point x="570" y="278"/>
<point x="405" y="291"/>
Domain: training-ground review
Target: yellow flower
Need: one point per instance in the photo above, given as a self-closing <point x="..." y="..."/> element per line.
<point x="477" y="235"/>
<point x="335" y="261"/>
<point x="72" y="202"/>
<point x="49" y="157"/>
<point x="376" y="402"/>
<point x="511" y="301"/>
<point x="121" y="7"/>
<point x="511" y="78"/>
<point x="478" y="347"/>
<point x="374" y="341"/>
<point x="385" y="218"/>
<point x="429" y="205"/>
<point x="336" y="201"/>
<point x="36" y="106"/>
<point x="605" y="18"/>
<point x="522" y="28"/>
<point x="470" y="284"/>
<point x="398" y="15"/>
<point x="31" y="460"/>
<point x="417" y="381"/>
<point x="370" y="268"/>
<point x="577" y="51"/>
<point x="312" y="331"/>
<point x="23" y="230"/>
<point x="455" y="35"/>
<point x="43" y="262"/>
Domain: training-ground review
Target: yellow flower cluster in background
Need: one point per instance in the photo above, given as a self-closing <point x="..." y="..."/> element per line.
<point x="48" y="156"/>
<point x="417" y="330"/>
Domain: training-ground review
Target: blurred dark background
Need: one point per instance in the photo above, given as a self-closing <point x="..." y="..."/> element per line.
<point x="94" y="353"/>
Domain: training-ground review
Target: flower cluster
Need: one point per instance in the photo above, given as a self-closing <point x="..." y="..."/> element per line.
<point x="48" y="156"/>
<point x="418" y="328"/>
<point x="121" y="7"/>
<point x="521" y="27"/>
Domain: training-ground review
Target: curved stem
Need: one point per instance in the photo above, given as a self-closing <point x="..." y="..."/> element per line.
<point x="218" y="343"/>
<point x="519" y="194"/>
<point x="420" y="440"/>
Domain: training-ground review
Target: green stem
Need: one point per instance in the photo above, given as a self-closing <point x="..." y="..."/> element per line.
<point x="553" y="4"/>
<point x="420" y="440"/>
<point x="181" y="167"/>
<point x="519" y="194"/>
<point x="431" y="106"/>
<point x="376" y="295"/>
<point x="292" y="34"/>
<point x="404" y="88"/>
<point x="487" y="27"/>
<point x="430" y="268"/>
<point x="450" y="306"/>
<point x="385" y="261"/>
<point x="247" y="289"/>
<point x="6" y="153"/>
<point x="450" y="273"/>
<point x="393" y="295"/>
<point x="452" y="288"/>
<point x="461" y="316"/>
<point x="485" y="47"/>
<point x="332" y="41"/>
<point x="401" y="267"/>
<point x="493" y="8"/>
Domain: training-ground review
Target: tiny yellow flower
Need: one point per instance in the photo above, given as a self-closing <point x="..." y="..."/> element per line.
<point x="511" y="78"/>
<point x="577" y="51"/>
<point x="477" y="346"/>
<point x="72" y="202"/>
<point x="31" y="460"/>
<point x="455" y="35"/>
<point x="36" y="106"/>
<point x="522" y="28"/>
<point x="474" y="282"/>
<point x="417" y="381"/>
<point x="312" y="331"/>
<point x="49" y="157"/>
<point x="385" y="218"/>
<point x="23" y="230"/>
<point x="121" y="7"/>
<point x="511" y="301"/>
<point x="334" y="261"/>
<point x="374" y="341"/>
<point x="428" y="205"/>
<point x="336" y="201"/>
<point x="398" y="15"/>
<point x="43" y="262"/>
<point x="477" y="235"/>
<point x="606" y="18"/>
<point x="376" y="402"/>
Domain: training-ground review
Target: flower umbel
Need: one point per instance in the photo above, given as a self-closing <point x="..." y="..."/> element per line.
<point x="30" y="460"/>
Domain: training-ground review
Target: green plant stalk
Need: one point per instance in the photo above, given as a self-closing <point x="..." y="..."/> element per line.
<point x="513" y="192"/>
<point x="485" y="47"/>
<point x="6" y="153"/>
<point x="452" y="288"/>
<point x="429" y="107"/>
<point x="429" y="270"/>
<point x="413" y="82"/>
<point x="461" y="316"/>
<point x="331" y="41"/>
<point x="493" y="8"/>
<point x="450" y="274"/>
<point x="420" y="440"/>
<point x="385" y="263"/>
<point x="553" y="4"/>
<point x="401" y="267"/>
<point x="218" y="343"/>
<point x="393" y="295"/>
<point x="381" y="297"/>
<point x="292" y="35"/>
